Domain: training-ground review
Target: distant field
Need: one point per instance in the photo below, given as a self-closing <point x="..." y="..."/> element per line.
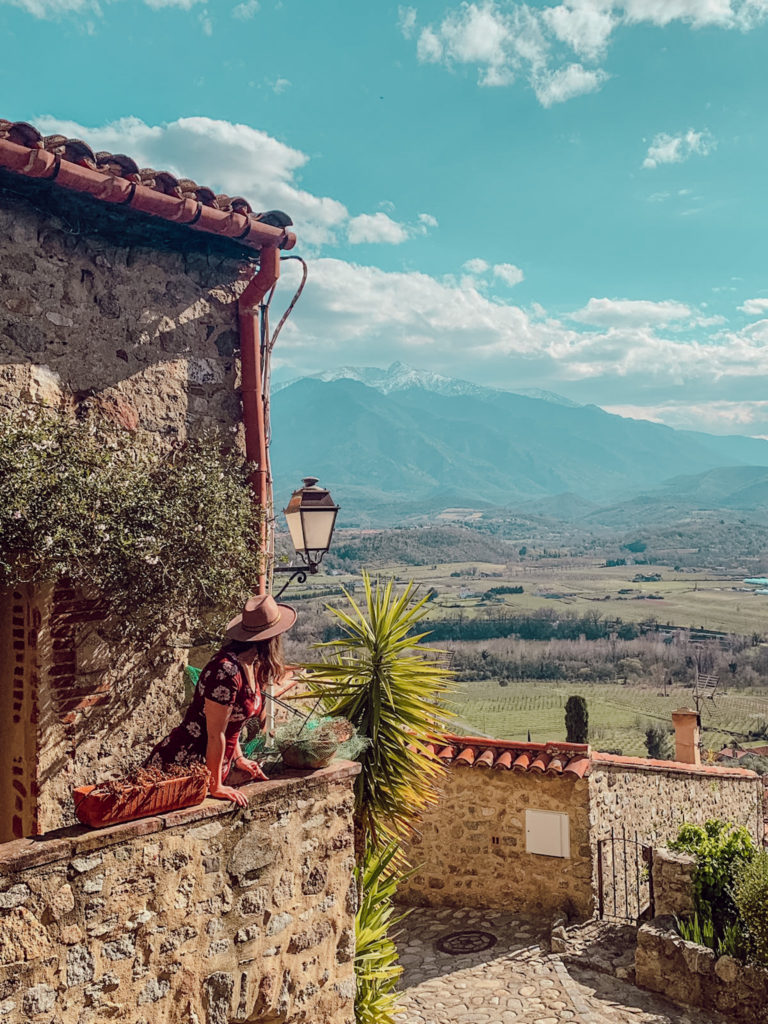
<point x="688" y="598"/>
<point x="618" y="714"/>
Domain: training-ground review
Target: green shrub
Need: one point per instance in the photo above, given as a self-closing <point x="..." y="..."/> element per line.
<point x="151" y="531"/>
<point x="720" y="849"/>
<point x="750" y="894"/>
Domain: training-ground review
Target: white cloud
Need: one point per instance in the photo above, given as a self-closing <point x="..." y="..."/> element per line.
<point x="280" y="85"/>
<point x="375" y="227"/>
<point x="233" y="158"/>
<point x="631" y="312"/>
<point x="584" y="26"/>
<point x="476" y="266"/>
<point x="245" y="10"/>
<point x="754" y="307"/>
<point x="427" y="221"/>
<point x="506" y="39"/>
<point x="429" y="48"/>
<point x="742" y="417"/>
<point x="62" y="8"/>
<point x="444" y="324"/>
<point x="673" y="149"/>
<point x="406" y="20"/>
<point x="566" y="83"/>
<point x="508" y="273"/>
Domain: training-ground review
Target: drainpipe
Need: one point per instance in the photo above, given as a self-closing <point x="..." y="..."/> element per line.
<point x="251" y="372"/>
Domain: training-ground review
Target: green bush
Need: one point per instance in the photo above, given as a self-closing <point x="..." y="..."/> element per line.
<point x="151" y="531"/>
<point x="750" y="894"/>
<point x="720" y="849"/>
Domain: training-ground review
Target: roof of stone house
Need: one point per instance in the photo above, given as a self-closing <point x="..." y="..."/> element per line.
<point x="652" y="764"/>
<point x="570" y="759"/>
<point x="504" y="755"/>
<point x="117" y="180"/>
<point x="736" y="754"/>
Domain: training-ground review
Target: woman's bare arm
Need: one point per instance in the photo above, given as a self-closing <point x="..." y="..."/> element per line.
<point x="216" y="718"/>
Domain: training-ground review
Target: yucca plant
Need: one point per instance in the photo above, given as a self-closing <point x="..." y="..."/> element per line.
<point x="376" y="966"/>
<point x="394" y="691"/>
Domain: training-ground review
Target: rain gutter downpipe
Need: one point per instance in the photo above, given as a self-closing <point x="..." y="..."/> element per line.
<point x="252" y="389"/>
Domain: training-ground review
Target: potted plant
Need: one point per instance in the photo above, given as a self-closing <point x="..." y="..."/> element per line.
<point x="142" y="793"/>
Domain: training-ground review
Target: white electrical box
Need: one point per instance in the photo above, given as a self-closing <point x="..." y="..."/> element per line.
<point x="547" y="833"/>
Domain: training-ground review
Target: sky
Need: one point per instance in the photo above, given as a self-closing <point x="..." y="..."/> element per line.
<point x="568" y="196"/>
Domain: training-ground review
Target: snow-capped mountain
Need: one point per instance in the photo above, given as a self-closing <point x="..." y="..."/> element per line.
<point x="401" y="377"/>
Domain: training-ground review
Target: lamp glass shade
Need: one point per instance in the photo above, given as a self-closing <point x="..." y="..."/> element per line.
<point x="296" y="530"/>
<point x="311" y="517"/>
<point x="317" y="526"/>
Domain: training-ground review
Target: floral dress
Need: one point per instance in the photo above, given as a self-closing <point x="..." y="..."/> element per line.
<point x="224" y="682"/>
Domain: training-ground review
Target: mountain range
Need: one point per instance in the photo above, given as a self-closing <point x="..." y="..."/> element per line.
<point x="401" y="441"/>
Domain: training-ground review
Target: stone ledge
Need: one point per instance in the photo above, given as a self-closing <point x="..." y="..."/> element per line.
<point x="66" y="843"/>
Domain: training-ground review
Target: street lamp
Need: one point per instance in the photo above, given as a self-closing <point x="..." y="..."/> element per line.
<point x="311" y="516"/>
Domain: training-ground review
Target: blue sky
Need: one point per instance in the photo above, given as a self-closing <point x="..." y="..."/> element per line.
<point x="568" y="196"/>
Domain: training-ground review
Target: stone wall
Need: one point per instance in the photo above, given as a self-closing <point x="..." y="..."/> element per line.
<point x="202" y="916"/>
<point x="103" y="317"/>
<point x="654" y="801"/>
<point x="140" y="334"/>
<point x="694" y="976"/>
<point x="471" y="846"/>
<point x="673" y="883"/>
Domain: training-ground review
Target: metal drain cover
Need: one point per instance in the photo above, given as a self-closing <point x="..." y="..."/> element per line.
<point x="458" y="943"/>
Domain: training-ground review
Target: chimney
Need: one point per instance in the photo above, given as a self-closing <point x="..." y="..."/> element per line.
<point x="687" y="736"/>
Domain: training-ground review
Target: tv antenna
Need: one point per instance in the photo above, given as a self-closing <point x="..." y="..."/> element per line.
<point x="705" y="688"/>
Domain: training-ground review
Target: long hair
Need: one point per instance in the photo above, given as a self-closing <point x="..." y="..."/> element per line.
<point x="270" y="659"/>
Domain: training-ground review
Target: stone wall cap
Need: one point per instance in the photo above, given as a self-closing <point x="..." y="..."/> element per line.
<point x="650" y="764"/>
<point x="66" y="843"/>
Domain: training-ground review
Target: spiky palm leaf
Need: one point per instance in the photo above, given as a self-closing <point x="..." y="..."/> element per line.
<point x="376" y="966"/>
<point x="394" y="690"/>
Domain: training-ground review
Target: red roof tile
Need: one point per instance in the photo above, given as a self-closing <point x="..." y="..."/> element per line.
<point x="653" y="765"/>
<point x="572" y="759"/>
<point x="116" y="179"/>
<point x="504" y="755"/>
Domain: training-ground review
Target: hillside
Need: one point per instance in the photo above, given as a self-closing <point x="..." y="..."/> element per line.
<point x="419" y="445"/>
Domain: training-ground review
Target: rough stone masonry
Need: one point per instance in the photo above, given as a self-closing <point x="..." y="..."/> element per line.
<point x="203" y="916"/>
<point x="136" y="324"/>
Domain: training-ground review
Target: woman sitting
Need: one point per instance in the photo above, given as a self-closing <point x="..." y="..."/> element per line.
<point x="228" y="693"/>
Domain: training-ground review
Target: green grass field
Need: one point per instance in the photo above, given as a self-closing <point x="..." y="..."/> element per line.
<point x="688" y="598"/>
<point x="618" y="714"/>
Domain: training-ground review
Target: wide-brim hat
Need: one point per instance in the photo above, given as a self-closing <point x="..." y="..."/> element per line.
<point x="261" y="618"/>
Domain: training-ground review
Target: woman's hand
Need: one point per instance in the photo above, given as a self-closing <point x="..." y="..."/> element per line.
<point x="252" y="768"/>
<point x="228" y="793"/>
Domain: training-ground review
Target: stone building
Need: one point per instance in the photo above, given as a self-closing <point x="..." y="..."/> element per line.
<point x="519" y="826"/>
<point x="121" y="298"/>
<point x="119" y="295"/>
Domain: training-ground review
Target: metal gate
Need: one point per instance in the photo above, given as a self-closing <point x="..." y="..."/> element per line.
<point x="624" y="877"/>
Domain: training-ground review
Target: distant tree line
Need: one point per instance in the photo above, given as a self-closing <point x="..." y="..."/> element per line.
<point x="538" y="625"/>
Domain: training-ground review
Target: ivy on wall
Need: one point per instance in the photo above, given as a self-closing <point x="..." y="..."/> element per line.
<point x="155" y="532"/>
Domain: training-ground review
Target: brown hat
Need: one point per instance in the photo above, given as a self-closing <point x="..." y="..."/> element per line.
<point x="262" y="617"/>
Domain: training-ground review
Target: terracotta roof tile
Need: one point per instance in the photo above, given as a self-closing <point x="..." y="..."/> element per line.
<point x="572" y="759"/>
<point x="505" y="755"/>
<point x="486" y="759"/>
<point x="654" y="765"/>
<point x="115" y="178"/>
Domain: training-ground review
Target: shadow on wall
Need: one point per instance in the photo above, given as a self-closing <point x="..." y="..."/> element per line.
<point x="101" y="315"/>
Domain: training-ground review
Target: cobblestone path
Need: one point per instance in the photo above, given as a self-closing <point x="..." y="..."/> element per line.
<point x="515" y="981"/>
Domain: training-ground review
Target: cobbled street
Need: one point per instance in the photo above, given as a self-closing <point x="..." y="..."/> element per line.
<point x="516" y="981"/>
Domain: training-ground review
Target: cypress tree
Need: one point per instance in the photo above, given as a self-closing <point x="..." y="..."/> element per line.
<point x="576" y="720"/>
